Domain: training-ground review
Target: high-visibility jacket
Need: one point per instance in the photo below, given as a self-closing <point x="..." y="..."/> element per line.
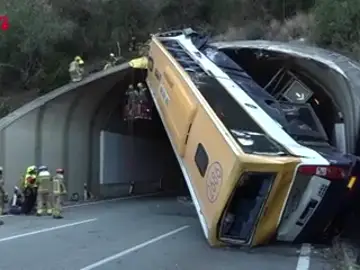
<point x="43" y="181"/>
<point x="59" y="185"/>
<point x="29" y="180"/>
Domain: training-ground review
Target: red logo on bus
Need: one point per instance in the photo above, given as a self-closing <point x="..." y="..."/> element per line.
<point x="4" y="22"/>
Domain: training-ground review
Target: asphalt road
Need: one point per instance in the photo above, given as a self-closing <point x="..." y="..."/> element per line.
<point x="143" y="233"/>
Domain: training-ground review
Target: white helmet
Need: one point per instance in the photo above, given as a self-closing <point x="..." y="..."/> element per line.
<point x="112" y="55"/>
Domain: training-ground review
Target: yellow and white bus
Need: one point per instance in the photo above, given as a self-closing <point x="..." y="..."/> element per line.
<point x="239" y="163"/>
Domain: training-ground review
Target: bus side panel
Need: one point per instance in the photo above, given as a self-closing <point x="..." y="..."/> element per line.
<point x="213" y="167"/>
<point x="174" y="96"/>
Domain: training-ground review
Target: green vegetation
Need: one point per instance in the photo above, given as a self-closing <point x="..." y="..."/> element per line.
<point x="45" y="35"/>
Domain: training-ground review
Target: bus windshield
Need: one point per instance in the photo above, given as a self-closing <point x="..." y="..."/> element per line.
<point x="302" y="122"/>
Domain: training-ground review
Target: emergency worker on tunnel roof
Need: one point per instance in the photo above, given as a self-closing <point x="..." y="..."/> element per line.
<point x="113" y="58"/>
<point x="43" y="202"/>
<point x="111" y="62"/>
<point x="76" y="69"/>
<point x="58" y="191"/>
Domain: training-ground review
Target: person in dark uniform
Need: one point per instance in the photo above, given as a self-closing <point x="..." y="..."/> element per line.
<point x="16" y="202"/>
<point x="29" y="190"/>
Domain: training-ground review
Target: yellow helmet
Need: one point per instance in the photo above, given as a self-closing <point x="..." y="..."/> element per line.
<point x="79" y="60"/>
<point x="31" y="169"/>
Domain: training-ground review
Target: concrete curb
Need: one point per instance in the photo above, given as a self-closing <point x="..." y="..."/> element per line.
<point x="346" y="253"/>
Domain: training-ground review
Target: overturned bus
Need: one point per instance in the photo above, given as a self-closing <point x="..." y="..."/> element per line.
<point x="257" y="159"/>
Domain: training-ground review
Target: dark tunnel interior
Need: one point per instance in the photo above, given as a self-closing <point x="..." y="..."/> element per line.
<point x="262" y="67"/>
<point x="151" y="131"/>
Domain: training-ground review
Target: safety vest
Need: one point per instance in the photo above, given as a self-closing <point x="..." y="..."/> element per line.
<point x="43" y="181"/>
<point x="74" y="66"/>
<point x="59" y="185"/>
<point x="29" y="180"/>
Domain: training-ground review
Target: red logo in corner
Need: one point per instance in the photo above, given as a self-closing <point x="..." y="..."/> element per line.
<point x="4" y="22"/>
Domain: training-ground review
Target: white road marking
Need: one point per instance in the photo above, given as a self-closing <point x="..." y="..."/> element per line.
<point x="13" y="237"/>
<point x="112" y="200"/>
<point x="133" y="249"/>
<point x="304" y="257"/>
<point x="1" y="216"/>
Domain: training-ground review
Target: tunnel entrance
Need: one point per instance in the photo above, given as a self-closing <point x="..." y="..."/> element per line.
<point x="144" y="159"/>
<point x="275" y="72"/>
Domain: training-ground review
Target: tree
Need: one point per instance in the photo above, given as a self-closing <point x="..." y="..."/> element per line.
<point x="337" y="23"/>
<point x="34" y="31"/>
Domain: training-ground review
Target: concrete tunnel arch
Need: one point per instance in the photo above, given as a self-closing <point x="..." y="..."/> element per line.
<point x="338" y="74"/>
<point x="61" y="129"/>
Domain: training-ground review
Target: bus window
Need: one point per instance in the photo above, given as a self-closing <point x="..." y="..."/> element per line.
<point x="201" y="159"/>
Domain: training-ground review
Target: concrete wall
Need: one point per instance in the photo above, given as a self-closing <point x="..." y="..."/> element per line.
<point x="61" y="129"/>
<point x="124" y="159"/>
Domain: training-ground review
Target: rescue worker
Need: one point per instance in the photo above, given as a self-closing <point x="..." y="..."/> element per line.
<point x="143" y="106"/>
<point x="2" y="192"/>
<point x="29" y="185"/>
<point x="132" y="101"/>
<point x="132" y="45"/>
<point x="113" y="59"/>
<point x="76" y="69"/>
<point x="58" y="191"/>
<point x="43" y="180"/>
<point x="16" y="202"/>
<point x="142" y="92"/>
<point x="111" y="62"/>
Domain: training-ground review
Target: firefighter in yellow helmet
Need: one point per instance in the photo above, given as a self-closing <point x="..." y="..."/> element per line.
<point x="76" y="69"/>
<point x="43" y="200"/>
<point x="29" y="189"/>
<point x="59" y="191"/>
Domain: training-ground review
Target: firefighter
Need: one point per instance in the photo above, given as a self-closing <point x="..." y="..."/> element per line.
<point x="111" y="62"/>
<point x="132" y="45"/>
<point x="142" y="92"/>
<point x="43" y="181"/>
<point x="29" y="185"/>
<point x="58" y="191"/>
<point x="132" y="101"/>
<point x="76" y="69"/>
<point x="113" y="59"/>
<point x="144" y="105"/>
